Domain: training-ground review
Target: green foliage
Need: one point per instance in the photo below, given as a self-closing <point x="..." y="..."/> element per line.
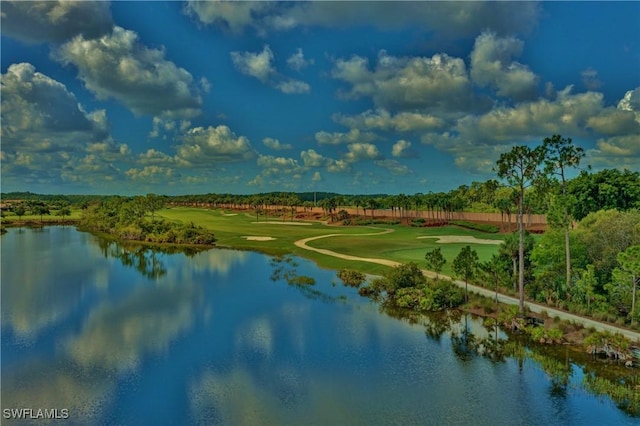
<point x="465" y="265"/>
<point x="351" y="278"/>
<point x="483" y="227"/>
<point x="604" y="190"/>
<point x="403" y="276"/>
<point x="435" y="296"/>
<point x="125" y="219"/>
<point x="435" y="260"/>
<point x="544" y="335"/>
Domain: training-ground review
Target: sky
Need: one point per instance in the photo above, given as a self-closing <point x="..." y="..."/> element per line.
<point x="349" y="97"/>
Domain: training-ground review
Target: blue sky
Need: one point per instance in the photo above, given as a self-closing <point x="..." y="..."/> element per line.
<point x="349" y="97"/>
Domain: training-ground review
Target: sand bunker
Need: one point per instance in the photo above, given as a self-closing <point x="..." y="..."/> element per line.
<point x="229" y="214"/>
<point x="282" y="223"/>
<point x="256" y="238"/>
<point x="444" y="239"/>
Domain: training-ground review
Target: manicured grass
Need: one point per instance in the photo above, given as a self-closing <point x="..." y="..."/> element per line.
<point x="402" y="245"/>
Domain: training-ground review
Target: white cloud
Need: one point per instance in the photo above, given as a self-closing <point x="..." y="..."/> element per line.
<point x="151" y="174"/>
<point x="448" y="19"/>
<point x="118" y="66"/>
<point x="282" y="163"/>
<point x="275" y="144"/>
<point x="297" y="61"/>
<point x="361" y="151"/>
<point x="234" y="16"/>
<point x="260" y="66"/>
<point x="335" y="138"/>
<point x="310" y="158"/>
<point x="381" y="119"/>
<point x="317" y="177"/>
<point x="393" y="166"/>
<point x="492" y="65"/>
<point x="55" y="21"/>
<point x="206" y="146"/>
<point x="291" y="87"/>
<point x="401" y="149"/>
<point x="434" y="84"/>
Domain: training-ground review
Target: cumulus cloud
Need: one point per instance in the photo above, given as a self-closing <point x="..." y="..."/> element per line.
<point x="282" y="163"/>
<point x="361" y="151"/>
<point x="336" y="138"/>
<point x="438" y="83"/>
<point x="206" y="146"/>
<point x="393" y="166"/>
<point x="492" y="65"/>
<point x="118" y="66"/>
<point x="297" y="61"/>
<point x="402" y="149"/>
<point x="151" y="174"/>
<point x="275" y="144"/>
<point x="447" y="19"/>
<point x="48" y="137"/>
<point x="234" y="16"/>
<point x="317" y="177"/>
<point x="292" y="87"/>
<point x="55" y="21"/>
<point x="381" y="119"/>
<point x="260" y="66"/>
<point x="35" y="106"/>
<point x="311" y="158"/>
<point x="475" y="142"/>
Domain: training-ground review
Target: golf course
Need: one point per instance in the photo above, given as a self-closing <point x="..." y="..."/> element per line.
<point x="398" y="243"/>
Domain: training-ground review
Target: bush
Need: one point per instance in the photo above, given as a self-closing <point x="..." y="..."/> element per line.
<point x="351" y="278"/>
<point x="483" y="227"/>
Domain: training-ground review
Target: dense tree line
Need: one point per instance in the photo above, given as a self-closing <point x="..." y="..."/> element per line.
<point x="128" y="219"/>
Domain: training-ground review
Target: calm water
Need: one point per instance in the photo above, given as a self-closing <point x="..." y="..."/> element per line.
<point x="118" y="335"/>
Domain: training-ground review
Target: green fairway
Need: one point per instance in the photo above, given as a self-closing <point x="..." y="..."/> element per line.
<point x="401" y="245"/>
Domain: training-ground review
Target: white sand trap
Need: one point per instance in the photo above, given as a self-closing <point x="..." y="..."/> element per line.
<point x="229" y="214"/>
<point x="256" y="238"/>
<point x="282" y="223"/>
<point x="444" y="239"/>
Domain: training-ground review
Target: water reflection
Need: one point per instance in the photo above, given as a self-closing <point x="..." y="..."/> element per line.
<point x="117" y="335"/>
<point x="30" y="302"/>
<point x="213" y="341"/>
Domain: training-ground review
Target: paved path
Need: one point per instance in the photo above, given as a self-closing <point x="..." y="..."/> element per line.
<point x="534" y="307"/>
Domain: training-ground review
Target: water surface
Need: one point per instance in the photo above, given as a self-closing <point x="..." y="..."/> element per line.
<point x="128" y="335"/>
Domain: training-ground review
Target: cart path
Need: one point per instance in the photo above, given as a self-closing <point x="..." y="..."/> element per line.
<point x="534" y="307"/>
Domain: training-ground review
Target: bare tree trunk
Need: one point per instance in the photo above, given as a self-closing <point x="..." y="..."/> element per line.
<point x="521" y="252"/>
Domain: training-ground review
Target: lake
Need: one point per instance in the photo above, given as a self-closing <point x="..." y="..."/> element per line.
<point x="119" y="334"/>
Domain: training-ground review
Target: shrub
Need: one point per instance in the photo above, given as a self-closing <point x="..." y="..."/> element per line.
<point x="483" y="227"/>
<point x="351" y="278"/>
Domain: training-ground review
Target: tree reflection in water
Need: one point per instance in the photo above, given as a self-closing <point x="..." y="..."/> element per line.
<point x="144" y="258"/>
<point x="619" y="383"/>
<point x="284" y="269"/>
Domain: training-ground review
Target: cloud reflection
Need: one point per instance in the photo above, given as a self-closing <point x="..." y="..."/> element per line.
<point x="117" y="335"/>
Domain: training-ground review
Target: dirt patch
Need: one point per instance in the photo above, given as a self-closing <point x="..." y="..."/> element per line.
<point x="257" y="238"/>
<point x="447" y="239"/>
